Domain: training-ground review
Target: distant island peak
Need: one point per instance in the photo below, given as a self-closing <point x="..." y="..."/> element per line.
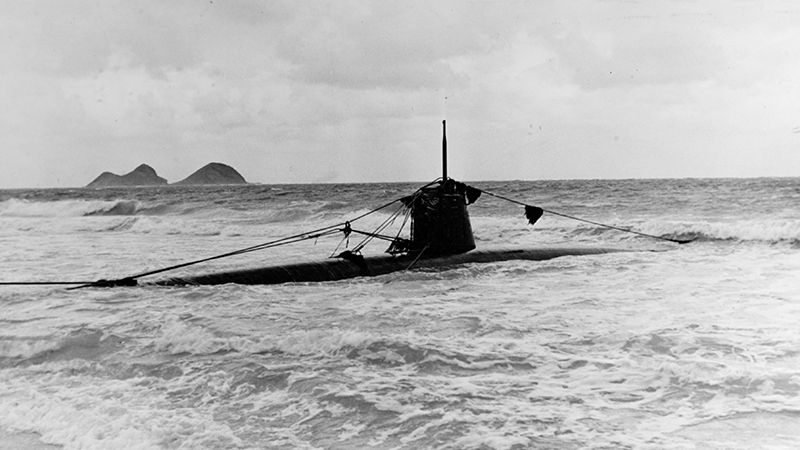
<point x="143" y="175"/>
<point x="211" y="174"/>
<point x="214" y="173"/>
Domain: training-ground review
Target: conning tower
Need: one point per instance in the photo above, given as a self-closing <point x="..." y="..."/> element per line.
<point x="439" y="219"/>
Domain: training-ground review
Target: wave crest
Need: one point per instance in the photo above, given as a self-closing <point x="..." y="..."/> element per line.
<point x="86" y="344"/>
<point x="751" y="231"/>
<point x="68" y="208"/>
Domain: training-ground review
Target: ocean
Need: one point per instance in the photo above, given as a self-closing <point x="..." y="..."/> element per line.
<point x="664" y="346"/>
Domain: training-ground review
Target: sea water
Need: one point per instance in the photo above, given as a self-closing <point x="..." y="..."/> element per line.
<point x="667" y="346"/>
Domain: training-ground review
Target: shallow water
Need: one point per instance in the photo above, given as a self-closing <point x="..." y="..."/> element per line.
<point x="665" y="346"/>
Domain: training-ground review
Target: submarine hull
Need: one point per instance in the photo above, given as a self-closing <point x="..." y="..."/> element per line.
<point x="340" y="269"/>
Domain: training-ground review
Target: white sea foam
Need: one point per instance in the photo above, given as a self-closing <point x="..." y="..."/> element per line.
<point x="317" y="342"/>
<point x="25" y="348"/>
<point x="757" y="230"/>
<point x="633" y="350"/>
<point x="66" y="208"/>
<point x="88" y="413"/>
<point x="176" y="337"/>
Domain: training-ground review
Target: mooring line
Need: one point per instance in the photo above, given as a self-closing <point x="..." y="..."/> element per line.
<point x="315" y="234"/>
<point x="131" y="280"/>
<point x="677" y="241"/>
<point x="40" y="283"/>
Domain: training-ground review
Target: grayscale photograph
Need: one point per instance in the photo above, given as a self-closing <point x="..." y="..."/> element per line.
<point x="399" y="225"/>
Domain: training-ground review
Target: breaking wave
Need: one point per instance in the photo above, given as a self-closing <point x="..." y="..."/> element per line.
<point x="180" y="338"/>
<point x="69" y="208"/>
<point x="777" y="231"/>
<point x="780" y="232"/>
<point x="83" y="344"/>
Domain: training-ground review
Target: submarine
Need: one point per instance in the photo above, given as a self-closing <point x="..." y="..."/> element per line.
<point x="440" y="236"/>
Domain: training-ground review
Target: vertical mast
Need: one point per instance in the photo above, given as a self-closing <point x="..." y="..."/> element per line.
<point x="439" y="219"/>
<point x="444" y="151"/>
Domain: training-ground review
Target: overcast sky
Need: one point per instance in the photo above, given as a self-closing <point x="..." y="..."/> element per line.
<point x="355" y="91"/>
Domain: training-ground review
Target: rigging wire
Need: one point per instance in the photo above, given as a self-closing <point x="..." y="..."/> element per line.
<point x="386" y="223"/>
<point x="343" y="227"/>
<point x="314" y="234"/>
<point x="677" y="241"/>
<point x="40" y="283"/>
<point x="131" y="280"/>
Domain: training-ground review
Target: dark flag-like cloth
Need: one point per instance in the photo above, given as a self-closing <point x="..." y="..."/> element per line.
<point x="470" y="192"/>
<point x="532" y="213"/>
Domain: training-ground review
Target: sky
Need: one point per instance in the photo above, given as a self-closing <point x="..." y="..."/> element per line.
<point x="356" y="91"/>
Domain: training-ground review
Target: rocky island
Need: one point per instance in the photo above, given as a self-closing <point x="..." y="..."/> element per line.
<point x="214" y="173"/>
<point x="144" y="175"/>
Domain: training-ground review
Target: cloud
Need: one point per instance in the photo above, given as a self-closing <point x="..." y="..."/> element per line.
<point x="355" y="90"/>
<point x="367" y="45"/>
<point x="75" y="39"/>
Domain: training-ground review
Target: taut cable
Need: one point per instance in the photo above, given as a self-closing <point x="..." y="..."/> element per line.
<point x="677" y="241"/>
